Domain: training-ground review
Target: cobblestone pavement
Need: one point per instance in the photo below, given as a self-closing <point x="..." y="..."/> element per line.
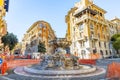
<point x="101" y="63"/>
<point x="2" y="78"/>
<point x="16" y="77"/>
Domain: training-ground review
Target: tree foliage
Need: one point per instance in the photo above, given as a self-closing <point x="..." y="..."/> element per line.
<point x="114" y="37"/>
<point x="116" y="42"/>
<point x="10" y="40"/>
<point x="41" y="47"/>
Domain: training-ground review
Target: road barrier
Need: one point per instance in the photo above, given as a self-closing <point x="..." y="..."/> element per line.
<point x="23" y="62"/>
<point x="113" y="70"/>
<point x="87" y="61"/>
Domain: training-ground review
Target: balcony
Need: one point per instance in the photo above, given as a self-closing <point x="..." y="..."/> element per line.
<point x="84" y="17"/>
<point x="81" y="19"/>
<point x="93" y="37"/>
<point x="81" y="39"/>
<point x="84" y="10"/>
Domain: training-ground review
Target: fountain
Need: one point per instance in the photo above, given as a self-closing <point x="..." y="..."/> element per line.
<point x="60" y="63"/>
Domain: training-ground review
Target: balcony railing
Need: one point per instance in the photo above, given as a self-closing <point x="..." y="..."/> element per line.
<point x="81" y="39"/>
<point x="81" y="19"/>
<point x="93" y="37"/>
<point x="84" y="17"/>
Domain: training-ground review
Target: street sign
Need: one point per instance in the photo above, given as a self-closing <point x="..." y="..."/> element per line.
<point x="1" y="61"/>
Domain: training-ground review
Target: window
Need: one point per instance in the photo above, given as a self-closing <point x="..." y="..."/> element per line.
<point x="26" y="45"/>
<point x="99" y="44"/>
<point x="101" y="52"/>
<point x="83" y="53"/>
<point x="80" y="44"/>
<point x="80" y="34"/>
<point x="96" y="11"/>
<point x="83" y="44"/>
<point x="91" y="26"/>
<point x="74" y="29"/>
<point x="89" y="7"/>
<point x="94" y="50"/>
<point x="98" y="35"/>
<point x="81" y="26"/>
<point x="42" y="25"/>
<point x="100" y="14"/>
<point x="93" y="44"/>
<point x="110" y="52"/>
<point x="106" y="52"/>
<point x="92" y="34"/>
<point x="104" y="44"/>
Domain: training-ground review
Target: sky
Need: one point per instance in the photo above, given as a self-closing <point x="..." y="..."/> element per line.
<point x="23" y="13"/>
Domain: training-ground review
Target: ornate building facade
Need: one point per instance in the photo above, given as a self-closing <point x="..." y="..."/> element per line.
<point x="3" y="25"/>
<point x="40" y="31"/>
<point x="89" y="31"/>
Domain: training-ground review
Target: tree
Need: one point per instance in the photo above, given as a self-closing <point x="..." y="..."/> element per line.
<point x="116" y="45"/>
<point x="41" y="47"/>
<point x="114" y="37"/>
<point x="9" y="40"/>
<point x="116" y="42"/>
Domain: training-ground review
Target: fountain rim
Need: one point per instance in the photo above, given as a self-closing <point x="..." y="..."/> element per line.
<point x="61" y="72"/>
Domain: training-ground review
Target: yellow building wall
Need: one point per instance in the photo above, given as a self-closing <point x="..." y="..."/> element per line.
<point x="3" y="26"/>
<point x="1" y="2"/>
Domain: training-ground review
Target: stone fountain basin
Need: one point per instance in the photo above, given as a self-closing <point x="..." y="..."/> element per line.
<point x="84" y="70"/>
